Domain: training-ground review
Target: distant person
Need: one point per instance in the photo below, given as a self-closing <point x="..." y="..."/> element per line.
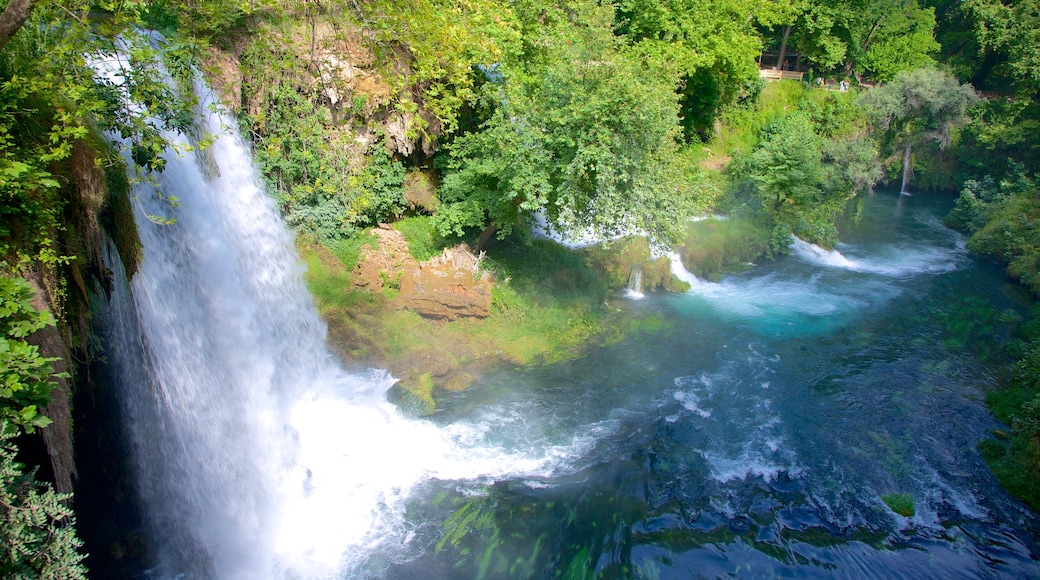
<point x="787" y="65"/>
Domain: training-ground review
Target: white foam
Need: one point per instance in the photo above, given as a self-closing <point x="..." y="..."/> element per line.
<point x="748" y="464"/>
<point x="817" y="255"/>
<point x="679" y="271"/>
<point x="894" y="260"/>
<point x="633" y="294"/>
<point x="363" y="460"/>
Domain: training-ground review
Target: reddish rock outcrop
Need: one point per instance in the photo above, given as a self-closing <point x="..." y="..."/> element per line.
<point x="446" y="287"/>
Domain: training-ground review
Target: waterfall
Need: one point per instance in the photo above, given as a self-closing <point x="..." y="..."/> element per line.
<point x="635" y="283"/>
<point x="255" y="454"/>
<point x="224" y="336"/>
<point x="906" y="171"/>
<point x="817" y="255"/>
<point x="679" y="271"/>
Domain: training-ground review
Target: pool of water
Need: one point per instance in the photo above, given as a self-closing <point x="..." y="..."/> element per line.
<point x="754" y="433"/>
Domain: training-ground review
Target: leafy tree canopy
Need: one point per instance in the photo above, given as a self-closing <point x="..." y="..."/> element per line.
<point x="926" y="105"/>
<point x="1011" y="28"/>
<point x="868" y="38"/>
<point x="581" y="131"/>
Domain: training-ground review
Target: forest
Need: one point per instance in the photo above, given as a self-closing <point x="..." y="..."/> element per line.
<point x="475" y="120"/>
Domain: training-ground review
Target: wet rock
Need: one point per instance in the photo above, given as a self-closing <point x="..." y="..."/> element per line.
<point x="415" y="399"/>
<point x="459" y="383"/>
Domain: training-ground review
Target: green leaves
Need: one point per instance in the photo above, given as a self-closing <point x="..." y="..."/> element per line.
<point x="1011" y="28"/>
<point x="25" y="375"/>
<point x="579" y="131"/>
<point x="786" y="167"/>
<point x="37" y="534"/>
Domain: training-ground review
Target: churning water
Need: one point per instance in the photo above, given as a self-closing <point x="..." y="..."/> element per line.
<point x="753" y="432"/>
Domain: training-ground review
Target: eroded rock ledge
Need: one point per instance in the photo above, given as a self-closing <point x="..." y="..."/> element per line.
<point x="446" y="287"/>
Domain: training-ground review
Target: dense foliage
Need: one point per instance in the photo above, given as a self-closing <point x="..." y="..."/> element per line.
<point x="622" y="116"/>
<point x="25" y="375"/>
<point x="581" y="131"/>
<point x="37" y="539"/>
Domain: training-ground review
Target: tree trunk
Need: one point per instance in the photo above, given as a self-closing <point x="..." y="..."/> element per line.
<point x="13" y="17"/>
<point x="485" y="237"/>
<point x="783" y="47"/>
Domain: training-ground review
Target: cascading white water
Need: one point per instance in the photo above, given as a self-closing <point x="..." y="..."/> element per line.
<point x="635" y="284"/>
<point x="906" y="171"/>
<point x="256" y="455"/>
<point x="679" y="270"/>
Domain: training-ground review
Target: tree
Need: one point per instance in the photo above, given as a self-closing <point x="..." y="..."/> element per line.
<point x="714" y="46"/>
<point x="786" y="174"/>
<point x="577" y="131"/>
<point x="1011" y="28"/>
<point x="25" y="376"/>
<point x="876" y="39"/>
<point x="886" y="38"/>
<point x="14" y="16"/>
<point x="926" y="105"/>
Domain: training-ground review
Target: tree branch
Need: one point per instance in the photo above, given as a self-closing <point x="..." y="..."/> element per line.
<point x="13" y="17"/>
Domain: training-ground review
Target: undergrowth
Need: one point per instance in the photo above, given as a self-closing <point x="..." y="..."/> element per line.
<point x="714" y="246"/>
<point x="546" y="302"/>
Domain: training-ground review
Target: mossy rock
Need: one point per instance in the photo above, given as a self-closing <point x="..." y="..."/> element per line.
<point x="901" y="503"/>
<point x="414" y="397"/>
<point x="459" y="383"/>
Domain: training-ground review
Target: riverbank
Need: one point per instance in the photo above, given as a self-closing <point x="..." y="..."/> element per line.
<point x="549" y="303"/>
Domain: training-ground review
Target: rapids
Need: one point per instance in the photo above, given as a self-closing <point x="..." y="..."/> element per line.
<point x="753" y="432"/>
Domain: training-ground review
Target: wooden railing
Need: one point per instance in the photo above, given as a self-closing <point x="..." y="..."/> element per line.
<point x="776" y="75"/>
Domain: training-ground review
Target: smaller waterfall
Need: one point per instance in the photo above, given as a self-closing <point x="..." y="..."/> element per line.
<point x="906" y="171"/>
<point x="680" y="271"/>
<point x="635" y="283"/>
<point x="816" y="255"/>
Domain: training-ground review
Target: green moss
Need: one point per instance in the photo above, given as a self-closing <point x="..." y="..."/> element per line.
<point x="411" y="403"/>
<point x="901" y="503"/>
<point x="1016" y="463"/>
<point x="117" y="217"/>
<point x="616" y="261"/>
<point x="713" y="247"/>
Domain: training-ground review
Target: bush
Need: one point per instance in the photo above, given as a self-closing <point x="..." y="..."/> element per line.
<point x="25" y="375"/>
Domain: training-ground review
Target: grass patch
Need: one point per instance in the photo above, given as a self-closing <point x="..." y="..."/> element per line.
<point x="901" y="503"/>
<point x="351" y="314"/>
<point x="349" y="249"/>
<point x="547" y="304"/>
<point x="742" y="125"/>
<point x="423" y="240"/>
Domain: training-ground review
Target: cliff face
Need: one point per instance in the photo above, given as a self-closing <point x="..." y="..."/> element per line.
<point x="331" y="64"/>
<point x="58" y="435"/>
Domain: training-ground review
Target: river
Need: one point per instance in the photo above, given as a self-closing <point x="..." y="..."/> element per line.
<point x="757" y="432"/>
<point x="753" y="432"/>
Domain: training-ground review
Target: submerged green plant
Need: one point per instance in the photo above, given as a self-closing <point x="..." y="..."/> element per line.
<point x="902" y="503"/>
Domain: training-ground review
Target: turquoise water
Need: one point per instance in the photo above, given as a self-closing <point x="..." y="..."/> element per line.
<point x="755" y="434"/>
